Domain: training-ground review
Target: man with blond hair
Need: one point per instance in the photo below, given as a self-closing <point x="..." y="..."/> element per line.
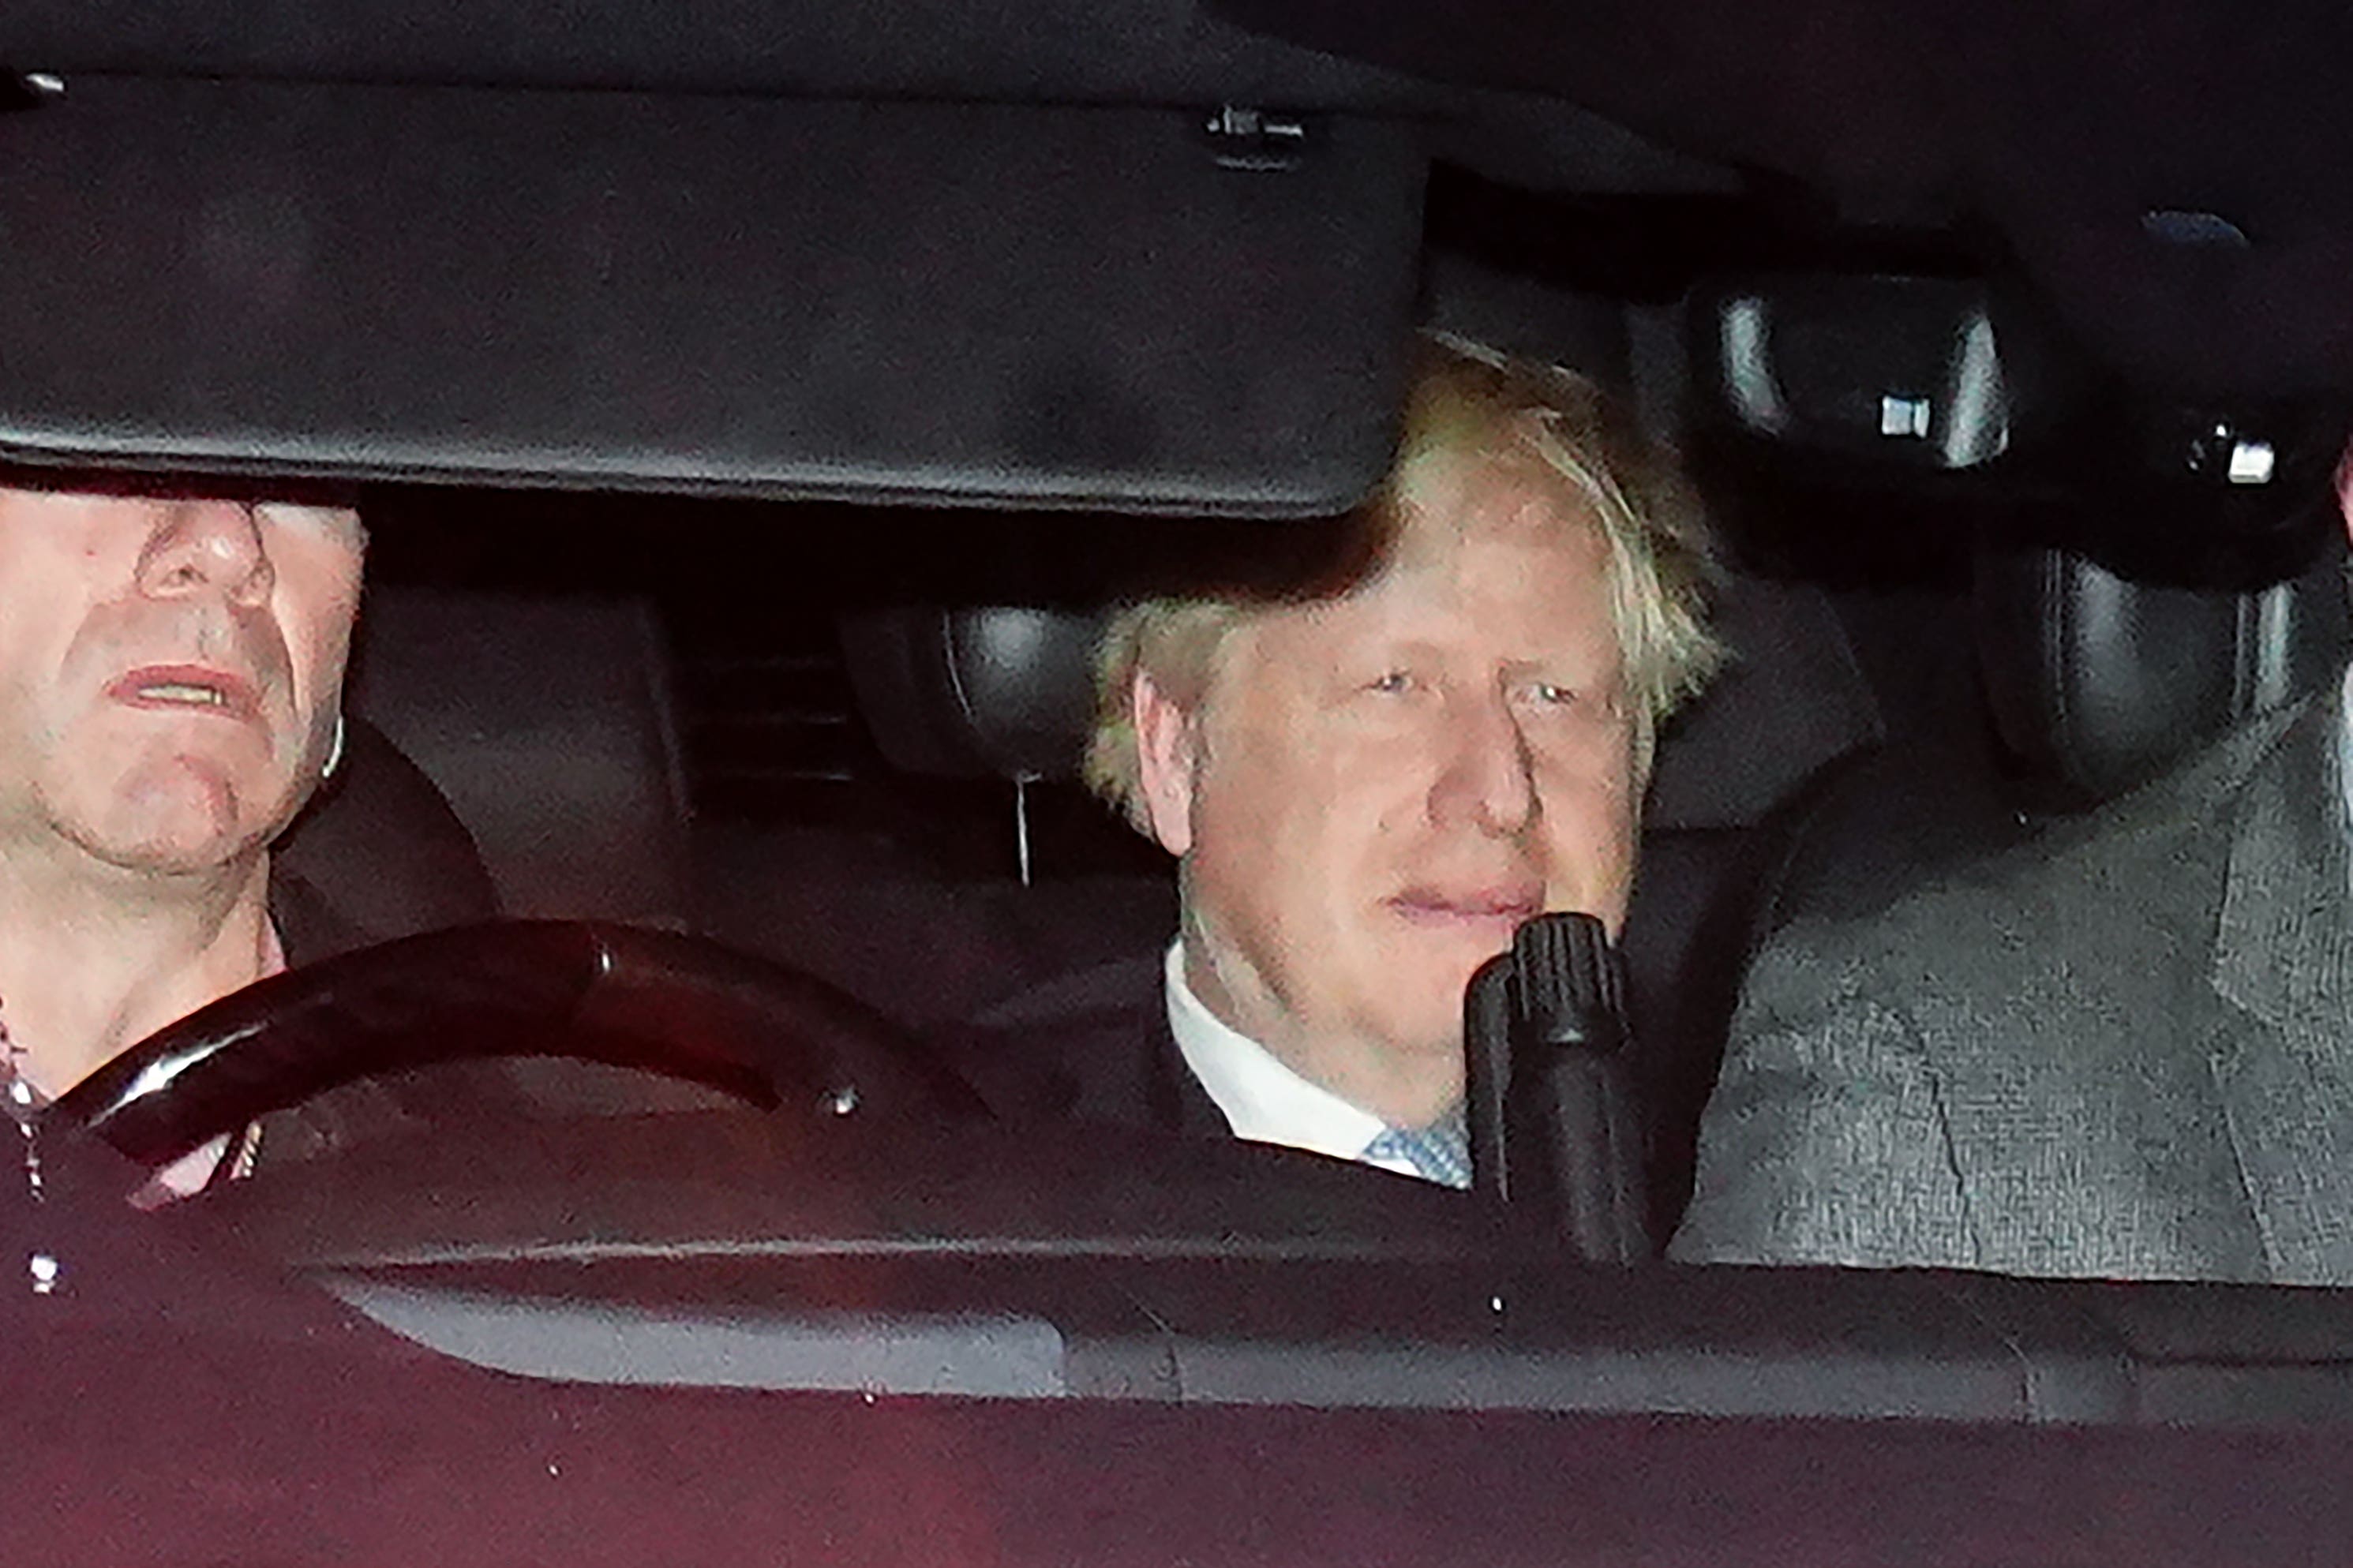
<point x="1370" y="780"/>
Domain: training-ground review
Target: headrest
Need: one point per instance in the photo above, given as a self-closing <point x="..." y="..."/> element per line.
<point x="1002" y="691"/>
<point x="2098" y="683"/>
<point x="548" y="724"/>
<point x="986" y="691"/>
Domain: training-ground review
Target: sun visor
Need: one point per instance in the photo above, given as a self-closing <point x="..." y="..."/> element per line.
<point x="1157" y="309"/>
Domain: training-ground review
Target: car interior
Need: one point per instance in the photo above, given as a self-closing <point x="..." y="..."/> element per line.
<point x="758" y="410"/>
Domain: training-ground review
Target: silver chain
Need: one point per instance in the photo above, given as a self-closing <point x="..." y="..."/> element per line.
<point x="25" y="1103"/>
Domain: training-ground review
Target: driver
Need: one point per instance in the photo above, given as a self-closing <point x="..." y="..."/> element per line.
<point x="1369" y="784"/>
<point x="171" y="679"/>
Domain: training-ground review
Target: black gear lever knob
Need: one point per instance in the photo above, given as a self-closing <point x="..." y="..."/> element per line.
<point x="1553" y="1130"/>
<point x="1565" y="984"/>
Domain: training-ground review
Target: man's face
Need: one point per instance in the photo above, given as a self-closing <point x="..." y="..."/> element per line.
<point x="170" y="669"/>
<point x="1378" y="789"/>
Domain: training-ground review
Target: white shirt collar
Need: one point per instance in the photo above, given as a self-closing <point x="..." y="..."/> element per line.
<point x="1263" y="1100"/>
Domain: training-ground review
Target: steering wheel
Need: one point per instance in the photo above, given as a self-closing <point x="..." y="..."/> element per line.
<point x="679" y="1006"/>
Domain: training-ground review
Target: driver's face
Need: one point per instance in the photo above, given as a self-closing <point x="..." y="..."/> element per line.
<point x="170" y="669"/>
<point x="1381" y="788"/>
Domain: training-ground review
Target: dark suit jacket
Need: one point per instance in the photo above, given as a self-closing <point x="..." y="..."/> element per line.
<point x="2121" y="1051"/>
<point x="1091" y="1047"/>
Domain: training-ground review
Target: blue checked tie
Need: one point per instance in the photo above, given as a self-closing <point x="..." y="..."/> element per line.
<point x="1439" y="1153"/>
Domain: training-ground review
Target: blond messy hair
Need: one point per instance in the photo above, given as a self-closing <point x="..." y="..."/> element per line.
<point x="1466" y="399"/>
